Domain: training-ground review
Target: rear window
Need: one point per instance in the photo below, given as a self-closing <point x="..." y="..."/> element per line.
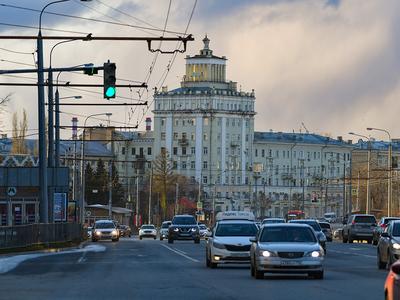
<point x="236" y="230"/>
<point x="273" y="221"/>
<point x="105" y="225"/>
<point x="165" y="225"/>
<point x="184" y="221"/>
<point x="313" y="224"/>
<point x="148" y="227"/>
<point x="387" y="220"/>
<point x="396" y="229"/>
<point x="325" y="225"/>
<point x="364" y="219"/>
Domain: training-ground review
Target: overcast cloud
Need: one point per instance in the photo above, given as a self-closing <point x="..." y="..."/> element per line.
<point x="333" y="65"/>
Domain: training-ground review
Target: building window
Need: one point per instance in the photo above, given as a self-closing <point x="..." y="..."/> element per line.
<point x="205" y="150"/>
<point x="205" y="165"/>
<point x="162" y="122"/>
<point x="263" y="152"/>
<point x="205" y="137"/>
<point x="183" y="150"/>
<point x="219" y="150"/>
<point x="175" y="136"/>
<point x="175" y="150"/>
<point x="193" y="150"/>
<point x="123" y="150"/>
<point x="277" y="154"/>
<point x="184" y="165"/>
<point x="149" y="151"/>
<point x="256" y="152"/>
<point x="176" y="122"/>
<point x="205" y="179"/>
<point x="184" y="136"/>
<point x="174" y="165"/>
<point x="192" y="165"/>
<point x="141" y="152"/>
<point x="192" y="137"/>
<point x="205" y="121"/>
<point x="163" y="136"/>
<point x="133" y="151"/>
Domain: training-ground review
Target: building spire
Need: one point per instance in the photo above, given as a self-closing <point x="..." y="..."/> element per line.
<point x="206" y="42"/>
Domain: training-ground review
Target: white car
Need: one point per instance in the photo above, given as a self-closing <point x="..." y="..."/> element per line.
<point x="229" y="240"/>
<point x="148" y="230"/>
<point x="203" y="230"/>
<point x="105" y="230"/>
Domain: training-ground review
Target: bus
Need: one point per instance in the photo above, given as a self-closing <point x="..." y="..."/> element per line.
<point x="294" y="215"/>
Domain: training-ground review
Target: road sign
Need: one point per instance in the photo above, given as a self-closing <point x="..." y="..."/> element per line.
<point x="88" y="213"/>
<point x="11" y="191"/>
<point x="199" y="205"/>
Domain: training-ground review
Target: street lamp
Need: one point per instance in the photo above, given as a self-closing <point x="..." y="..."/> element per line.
<point x="71" y="97"/>
<point x="389" y="206"/>
<point x="368" y="203"/>
<point x="82" y="198"/>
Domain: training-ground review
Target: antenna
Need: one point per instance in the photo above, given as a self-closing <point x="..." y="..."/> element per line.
<point x="304" y="126"/>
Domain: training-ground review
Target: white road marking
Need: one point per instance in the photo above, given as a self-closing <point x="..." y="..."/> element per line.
<point x="351" y="253"/>
<point x="82" y="258"/>
<point x="180" y="253"/>
<point x="9" y="263"/>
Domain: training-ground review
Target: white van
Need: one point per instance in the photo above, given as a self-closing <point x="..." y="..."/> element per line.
<point x="330" y="217"/>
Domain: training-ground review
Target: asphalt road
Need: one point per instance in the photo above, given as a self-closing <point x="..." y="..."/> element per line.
<point x="149" y="269"/>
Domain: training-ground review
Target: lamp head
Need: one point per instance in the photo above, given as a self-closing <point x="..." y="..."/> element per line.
<point x="369" y="128"/>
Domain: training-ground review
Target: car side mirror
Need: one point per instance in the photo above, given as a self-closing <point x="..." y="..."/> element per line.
<point x="396" y="268"/>
<point x="385" y="234"/>
<point x="253" y="239"/>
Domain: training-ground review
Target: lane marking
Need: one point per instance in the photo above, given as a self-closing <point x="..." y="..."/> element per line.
<point x="180" y="253"/>
<point x="351" y="253"/>
<point x="82" y="258"/>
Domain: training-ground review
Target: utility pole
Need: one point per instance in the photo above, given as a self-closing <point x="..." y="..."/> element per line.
<point x="150" y="190"/>
<point x="137" y="198"/>
<point x="176" y="197"/>
<point x="110" y="184"/>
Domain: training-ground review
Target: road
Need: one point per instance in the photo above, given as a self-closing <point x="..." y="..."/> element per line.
<point x="151" y="269"/>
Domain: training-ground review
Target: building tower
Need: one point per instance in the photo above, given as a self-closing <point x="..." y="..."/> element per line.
<point x="207" y="127"/>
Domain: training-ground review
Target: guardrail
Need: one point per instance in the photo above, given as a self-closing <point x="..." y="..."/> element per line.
<point x="40" y="234"/>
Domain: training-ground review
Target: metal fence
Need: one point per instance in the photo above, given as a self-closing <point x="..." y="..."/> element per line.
<point x="37" y="234"/>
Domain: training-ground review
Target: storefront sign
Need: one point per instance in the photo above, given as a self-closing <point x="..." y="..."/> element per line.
<point x="60" y="207"/>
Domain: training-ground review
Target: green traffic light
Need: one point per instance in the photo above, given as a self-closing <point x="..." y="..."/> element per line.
<point x="110" y="92"/>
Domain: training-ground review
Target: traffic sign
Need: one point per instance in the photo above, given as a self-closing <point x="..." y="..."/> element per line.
<point x="199" y="205"/>
<point x="88" y="213"/>
<point x="11" y="191"/>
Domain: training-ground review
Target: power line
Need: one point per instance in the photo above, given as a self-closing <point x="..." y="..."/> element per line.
<point x="17" y="52"/>
<point x="43" y="28"/>
<point x="87" y="19"/>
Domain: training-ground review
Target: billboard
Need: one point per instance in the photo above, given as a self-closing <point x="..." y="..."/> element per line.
<point x="60" y="207"/>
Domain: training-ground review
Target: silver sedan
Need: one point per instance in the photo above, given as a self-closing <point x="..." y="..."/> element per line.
<point x="286" y="248"/>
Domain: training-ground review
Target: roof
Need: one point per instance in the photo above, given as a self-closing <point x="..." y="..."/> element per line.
<point x="300" y="138"/>
<point x="92" y="148"/>
<point x="376" y="145"/>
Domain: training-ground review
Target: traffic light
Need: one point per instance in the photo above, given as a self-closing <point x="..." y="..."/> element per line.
<point x="109" y="80"/>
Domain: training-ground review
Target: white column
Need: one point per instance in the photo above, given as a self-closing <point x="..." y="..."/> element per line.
<point x="168" y="134"/>
<point x="199" y="146"/>
<point x="223" y="145"/>
<point x="243" y="149"/>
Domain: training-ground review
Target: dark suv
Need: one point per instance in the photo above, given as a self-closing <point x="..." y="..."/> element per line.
<point x="358" y="228"/>
<point x="183" y="227"/>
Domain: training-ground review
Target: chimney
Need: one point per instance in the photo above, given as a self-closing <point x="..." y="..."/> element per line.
<point x="349" y="142"/>
<point x="340" y="138"/>
<point x="148" y="124"/>
<point x="74" y="128"/>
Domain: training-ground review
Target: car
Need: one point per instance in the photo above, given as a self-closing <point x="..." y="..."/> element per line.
<point x="105" y="230"/>
<point x="337" y="234"/>
<point x="383" y="223"/>
<point x="316" y="227"/>
<point x="229" y="240"/>
<point x="164" y="230"/>
<point x="273" y="221"/>
<point x="359" y="227"/>
<point x="392" y="284"/>
<point x="327" y="230"/>
<point x="184" y="227"/>
<point x="388" y="249"/>
<point x="286" y="248"/>
<point x="147" y="230"/>
<point x="330" y="217"/>
<point x="203" y="230"/>
<point x="125" y="230"/>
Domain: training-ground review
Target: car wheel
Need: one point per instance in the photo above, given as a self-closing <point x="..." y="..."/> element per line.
<point x="170" y="241"/>
<point x="374" y="242"/>
<point x="94" y="240"/>
<point x="155" y="237"/>
<point x="351" y="240"/>
<point x="161" y="238"/>
<point x="208" y="262"/>
<point x="140" y="237"/>
<point x="317" y="275"/>
<point x="389" y="260"/>
<point x="344" y="239"/>
<point x="115" y="240"/>
<point x="381" y="264"/>
<point x="197" y="241"/>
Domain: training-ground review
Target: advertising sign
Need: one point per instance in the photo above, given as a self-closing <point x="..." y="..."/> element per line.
<point x="60" y="207"/>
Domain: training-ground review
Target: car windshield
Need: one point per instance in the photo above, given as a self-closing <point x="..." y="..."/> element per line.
<point x="313" y="224"/>
<point x="325" y="225"/>
<point x="287" y="235"/>
<point x="396" y="229"/>
<point x="165" y="225"/>
<point x="104" y="225"/>
<point x="148" y="227"/>
<point x="364" y="219"/>
<point x="202" y="226"/>
<point x="387" y="220"/>
<point x="273" y="221"/>
<point x="236" y="230"/>
<point x="184" y="221"/>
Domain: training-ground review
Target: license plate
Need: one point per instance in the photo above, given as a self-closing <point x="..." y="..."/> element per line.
<point x="241" y="254"/>
<point x="290" y="263"/>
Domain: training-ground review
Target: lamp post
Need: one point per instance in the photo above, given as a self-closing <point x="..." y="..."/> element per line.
<point x="82" y="198"/>
<point x="389" y="205"/>
<point x="368" y="203"/>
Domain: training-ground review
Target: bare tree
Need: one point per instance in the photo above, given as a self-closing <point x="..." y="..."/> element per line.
<point x="3" y="104"/>
<point x="19" y="133"/>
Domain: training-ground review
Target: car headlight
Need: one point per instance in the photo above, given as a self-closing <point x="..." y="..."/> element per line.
<point x="114" y="232"/>
<point x="97" y="232"/>
<point x="193" y="229"/>
<point x="218" y="245"/>
<point x="396" y="246"/>
<point x="314" y="254"/>
<point x="176" y="229"/>
<point x="266" y="253"/>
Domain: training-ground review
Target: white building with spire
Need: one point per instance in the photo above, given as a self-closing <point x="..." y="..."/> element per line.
<point x="207" y="127"/>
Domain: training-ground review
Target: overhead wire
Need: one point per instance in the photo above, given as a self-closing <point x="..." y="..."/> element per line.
<point x="43" y="28"/>
<point x="170" y="63"/>
<point x="16" y="52"/>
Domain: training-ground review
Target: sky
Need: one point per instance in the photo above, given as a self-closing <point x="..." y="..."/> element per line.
<point x="332" y="65"/>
